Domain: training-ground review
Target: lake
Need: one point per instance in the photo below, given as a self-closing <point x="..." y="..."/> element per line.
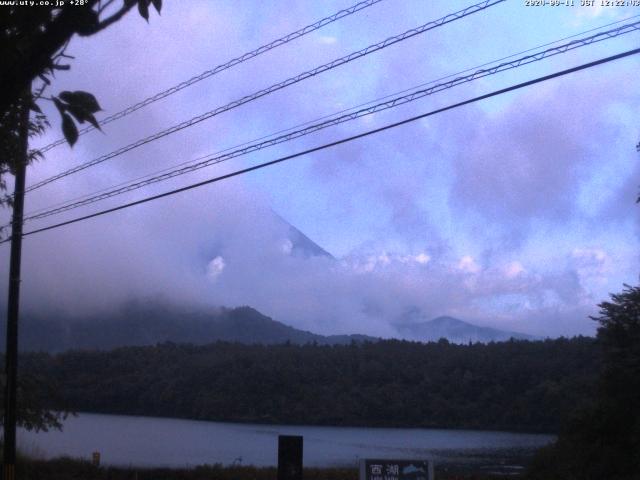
<point x="165" y="442"/>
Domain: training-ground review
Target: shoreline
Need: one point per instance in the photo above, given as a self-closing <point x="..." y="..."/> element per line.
<point x="320" y="425"/>
<point x="156" y="442"/>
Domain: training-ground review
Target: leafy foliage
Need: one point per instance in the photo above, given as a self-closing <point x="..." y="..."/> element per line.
<point x="33" y="43"/>
<point x="82" y="105"/>
<point x="516" y="385"/>
<point x="35" y="393"/>
<point x="603" y="439"/>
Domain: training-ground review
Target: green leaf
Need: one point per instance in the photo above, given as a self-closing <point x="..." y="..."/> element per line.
<point x="59" y="105"/>
<point x="143" y="8"/>
<point x="81" y="99"/>
<point x="87" y="22"/>
<point x="67" y="96"/>
<point x="157" y="4"/>
<point x="92" y="120"/>
<point x="34" y="106"/>
<point x="69" y="129"/>
<point x="79" y="113"/>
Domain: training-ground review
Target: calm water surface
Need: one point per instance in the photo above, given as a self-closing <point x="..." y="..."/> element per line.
<point x="148" y="441"/>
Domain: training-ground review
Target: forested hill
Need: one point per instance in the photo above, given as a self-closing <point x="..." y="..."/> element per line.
<point x="149" y="324"/>
<point x="515" y="385"/>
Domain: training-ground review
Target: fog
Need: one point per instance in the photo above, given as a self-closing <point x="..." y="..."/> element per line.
<point x="516" y="213"/>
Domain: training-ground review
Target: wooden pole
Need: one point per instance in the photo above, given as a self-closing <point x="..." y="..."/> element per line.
<point x="11" y="352"/>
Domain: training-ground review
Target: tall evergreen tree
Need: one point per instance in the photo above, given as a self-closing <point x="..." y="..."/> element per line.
<point x="603" y="439"/>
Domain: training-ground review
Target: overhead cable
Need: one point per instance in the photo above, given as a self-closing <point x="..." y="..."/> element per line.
<point x="273" y="88"/>
<point x="400" y="100"/>
<point x="225" y="66"/>
<point x="309" y="122"/>
<point x="338" y="142"/>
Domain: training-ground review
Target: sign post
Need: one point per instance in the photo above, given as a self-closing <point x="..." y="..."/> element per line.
<point x="289" y="457"/>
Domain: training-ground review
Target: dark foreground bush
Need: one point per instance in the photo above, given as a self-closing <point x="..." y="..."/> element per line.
<point x="72" y="469"/>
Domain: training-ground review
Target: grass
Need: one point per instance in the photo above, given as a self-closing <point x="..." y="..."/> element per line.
<point x="74" y="469"/>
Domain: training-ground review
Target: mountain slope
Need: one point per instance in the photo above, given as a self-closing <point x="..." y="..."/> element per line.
<point x="303" y="245"/>
<point x="150" y="324"/>
<point x="456" y="331"/>
<point x="136" y="324"/>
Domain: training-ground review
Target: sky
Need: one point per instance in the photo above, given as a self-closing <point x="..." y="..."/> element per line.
<point x="516" y="212"/>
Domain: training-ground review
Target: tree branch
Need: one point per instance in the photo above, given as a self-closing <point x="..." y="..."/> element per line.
<point x="102" y="8"/>
<point x="17" y="75"/>
<point x="113" y="18"/>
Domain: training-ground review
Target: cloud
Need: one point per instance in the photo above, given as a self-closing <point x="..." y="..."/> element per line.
<point x="596" y="10"/>
<point x="516" y="214"/>
<point x="520" y="166"/>
<point x="513" y="269"/>
<point x="468" y="264"/>
<point x="422" y="258"/>
<point x="215" y="267"/>
<point x="232" y="254"/>
<point x="326" y="40"/>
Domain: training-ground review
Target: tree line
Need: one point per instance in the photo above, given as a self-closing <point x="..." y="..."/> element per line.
<point x="515" y="385"/>
<point x="601" y="438"/>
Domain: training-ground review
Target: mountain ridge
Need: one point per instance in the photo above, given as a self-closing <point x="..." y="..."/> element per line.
<point x="457" y="331"/>
<point x="137" y="324"/>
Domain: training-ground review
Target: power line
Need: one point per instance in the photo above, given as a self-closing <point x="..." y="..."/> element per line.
<point x="275" y="87"/>
<point x="225" y="66"/>
<point x="401" y="100"/>
<point x="242" y="58"/>
<point x="335" y="63"/>
<point x="309" y="122"/>
<point x="339" y="142"/>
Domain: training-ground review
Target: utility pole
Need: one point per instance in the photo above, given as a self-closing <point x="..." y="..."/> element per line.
<point x="11" y="352"/>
